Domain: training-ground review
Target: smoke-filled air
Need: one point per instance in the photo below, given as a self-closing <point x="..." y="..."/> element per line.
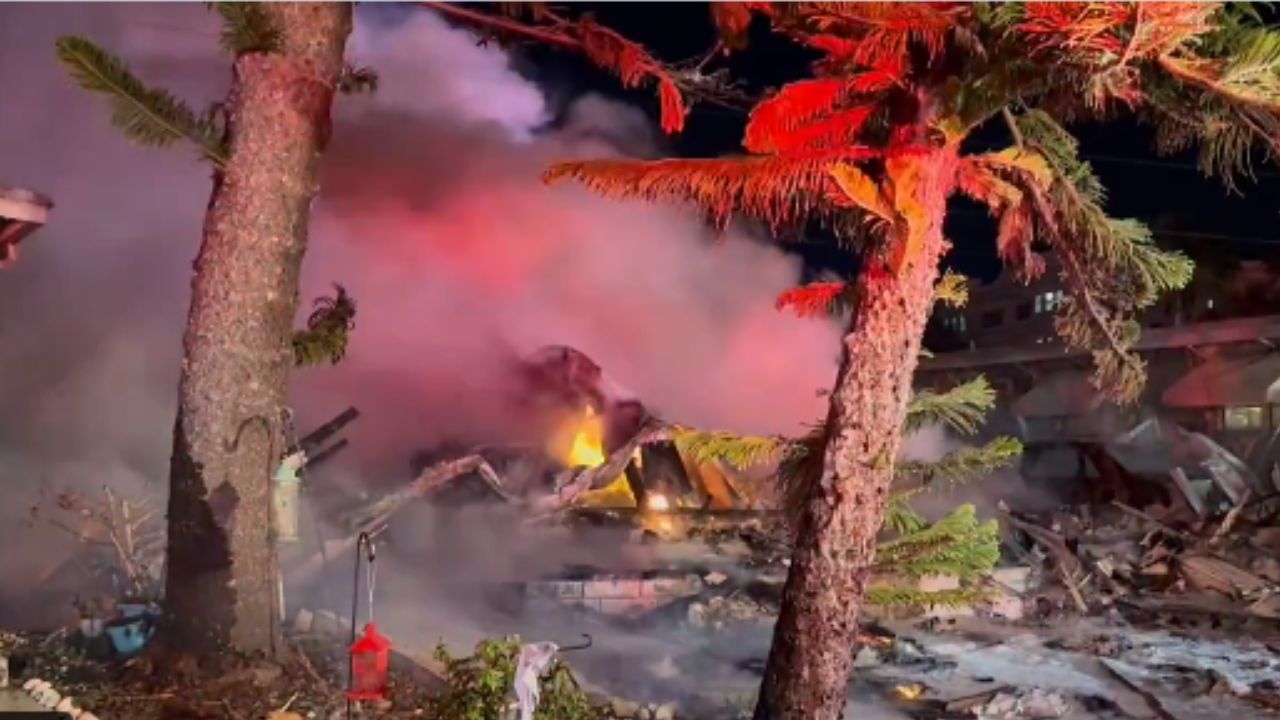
<point x="622" y="361"/>
<point x="434" y="218"/>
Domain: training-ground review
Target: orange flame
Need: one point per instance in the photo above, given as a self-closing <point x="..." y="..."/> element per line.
<point x="587" y="448"/>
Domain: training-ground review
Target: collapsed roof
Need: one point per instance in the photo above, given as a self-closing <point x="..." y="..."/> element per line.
<point x="602" y="416"/>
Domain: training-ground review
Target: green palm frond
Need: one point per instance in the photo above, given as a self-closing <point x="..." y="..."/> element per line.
<point x="247" y="27"/>
<point x="964" y="464"/>
<point x="1112" y="267"/>
<point x="739" y="451"/>
<point x="147" y="116"/>
<point x="900" y="517"/>
<point x="962" y="408"/>
<point x="958" y="544"/>
<point x="324" y="342"/>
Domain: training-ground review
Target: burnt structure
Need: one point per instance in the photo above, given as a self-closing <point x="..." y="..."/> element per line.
<point x="1209" y="416"/>
<point x="559" y="387"/>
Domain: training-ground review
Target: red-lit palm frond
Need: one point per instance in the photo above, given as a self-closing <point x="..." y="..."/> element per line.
<point x="1109" y="39"/>
<point x="983" y="178"/>
<point x="781" y="190"/>
<point x="873" y="32"/>
<point x="795" y="104"/>
<point x="1115" y="33"/>
<point x="733" y="20"/>
<point x="820" y="299"/>
<point x="768" y="133"/>
<point x="634" y="66"/>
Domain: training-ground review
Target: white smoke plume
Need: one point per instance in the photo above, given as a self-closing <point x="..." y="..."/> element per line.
<point x="431" y="213"/>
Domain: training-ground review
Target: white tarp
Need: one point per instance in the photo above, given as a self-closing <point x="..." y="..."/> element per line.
<point x="533" y="660"/>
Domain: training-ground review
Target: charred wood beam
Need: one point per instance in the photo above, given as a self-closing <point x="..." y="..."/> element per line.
<point x="325" y="454"/>
<point x="572" y="483"/>
<point x="374" y="518"/>
<point x="321" y="435"/>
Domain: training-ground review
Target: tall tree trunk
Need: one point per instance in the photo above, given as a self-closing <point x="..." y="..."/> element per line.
<point x="812" y="653"/>
<point x="221" y="587"/>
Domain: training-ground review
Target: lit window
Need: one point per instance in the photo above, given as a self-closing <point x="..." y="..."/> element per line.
<point x="954" y="323"/>
<point x="1049" y="301"/>
<point x="1209" y="304"/>
<point x="1247" y="417"/>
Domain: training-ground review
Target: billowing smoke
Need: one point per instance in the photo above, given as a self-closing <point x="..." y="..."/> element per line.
<point x="434" y="216"/>
<point x="431" y="214"/>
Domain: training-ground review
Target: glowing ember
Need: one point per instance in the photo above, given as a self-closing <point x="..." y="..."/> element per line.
<point x="659" y="503"/>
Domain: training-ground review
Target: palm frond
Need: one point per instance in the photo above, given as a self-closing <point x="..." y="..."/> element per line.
<point x="247" y="27"/>
<point x="899" y="517"/>
<point x="958" y="544"/>
<point x="1112" y="268"/>
<point x="147" y="116"/>
<point x="964" y="464"/>
<point x="781" y="190"/>
<point x="328" y="331"/>
<point x="634" y="67"/>
<point x="962" y="408"/>
<point x="819" y="299"/>
<point x="738" y="451"/>
<point x="732" y="21"/>
<point x="859" y="190"/>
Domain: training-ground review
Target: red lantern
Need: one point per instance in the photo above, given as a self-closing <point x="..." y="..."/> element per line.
<point x="369" y="660"/>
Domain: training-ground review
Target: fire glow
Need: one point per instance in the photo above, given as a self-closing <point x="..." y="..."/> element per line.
<point x="587" y="449"/>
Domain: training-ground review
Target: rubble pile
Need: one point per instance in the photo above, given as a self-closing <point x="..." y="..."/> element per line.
<point x="1156" y="564"/>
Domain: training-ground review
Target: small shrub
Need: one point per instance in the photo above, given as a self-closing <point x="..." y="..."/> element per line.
<point x="481" y="686"/>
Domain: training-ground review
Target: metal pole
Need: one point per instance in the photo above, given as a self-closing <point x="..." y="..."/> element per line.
<point x="363" y="540"/>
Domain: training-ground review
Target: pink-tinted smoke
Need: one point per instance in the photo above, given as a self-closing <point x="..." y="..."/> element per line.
<point x="431" y="212"/>
<point x="434" y="216"/>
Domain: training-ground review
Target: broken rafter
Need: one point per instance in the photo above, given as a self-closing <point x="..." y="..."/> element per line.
<point x="572" y="483"/>
<point x="374" y="518"/>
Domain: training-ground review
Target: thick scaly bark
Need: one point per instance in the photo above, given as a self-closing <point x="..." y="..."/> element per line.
<point x="812" y="653"/>
<point x="221" y="588"/>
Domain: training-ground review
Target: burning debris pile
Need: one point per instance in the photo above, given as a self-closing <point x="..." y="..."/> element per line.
<point x="596" y="449"/>
<point x="1088" y="611"/>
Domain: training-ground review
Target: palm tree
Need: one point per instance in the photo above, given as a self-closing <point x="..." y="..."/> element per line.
<point x="264" y="144"/>
<point x="873" y="145"/>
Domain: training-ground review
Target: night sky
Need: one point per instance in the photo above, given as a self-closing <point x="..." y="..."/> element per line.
<point x="1187" y="210"/>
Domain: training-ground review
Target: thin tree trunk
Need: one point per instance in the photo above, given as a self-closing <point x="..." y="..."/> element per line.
<point x="221" y="588"/>
<point x="812" y="653"/>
